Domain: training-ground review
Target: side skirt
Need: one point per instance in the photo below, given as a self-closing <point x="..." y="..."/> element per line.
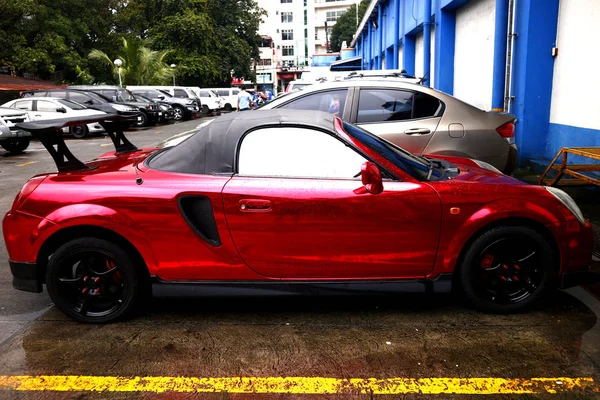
<point x="160" y="288"/>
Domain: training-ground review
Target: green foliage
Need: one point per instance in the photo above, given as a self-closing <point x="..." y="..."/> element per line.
<point x="206" y="39"/>
<point x="345" y="26"/>
<point x="141" y="66"/>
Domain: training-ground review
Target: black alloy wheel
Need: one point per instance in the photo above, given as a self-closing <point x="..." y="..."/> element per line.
<point x="508" y="269"/>
<point x="228" y="107"/>
<point x="178" y="113"/>
<point x="79" y="131"/>
<point x="143" y="120"/>
<point x="205" y="110"/>
<point x="93" y="280"/>
<point x="15" y="146"/>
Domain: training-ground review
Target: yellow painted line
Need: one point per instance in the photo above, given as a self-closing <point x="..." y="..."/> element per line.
<point x="105" y="144"/>
<point x="27" y="163"/>
<point x="298" y="385"/>
<point x="157" y="133"/>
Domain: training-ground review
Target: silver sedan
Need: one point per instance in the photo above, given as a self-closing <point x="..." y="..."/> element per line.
<point x="415" y="117"/>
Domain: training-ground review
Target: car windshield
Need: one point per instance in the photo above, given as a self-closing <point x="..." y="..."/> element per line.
<point x="71" y="104"/>
<point x="417" y="167"/>
<point x="126" y="95"/>
<point x="157" y="94"/>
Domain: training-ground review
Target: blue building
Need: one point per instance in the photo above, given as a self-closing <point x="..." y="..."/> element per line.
<point x="532" y="58"/>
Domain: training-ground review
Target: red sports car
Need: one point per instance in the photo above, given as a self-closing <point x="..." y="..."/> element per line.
<point x="284" y="202"/>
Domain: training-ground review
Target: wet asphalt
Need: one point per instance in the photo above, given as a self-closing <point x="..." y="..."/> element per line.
<point x="414" y="336"/>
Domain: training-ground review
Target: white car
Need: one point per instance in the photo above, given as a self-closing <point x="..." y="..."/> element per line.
<point x="229" y="96"/>
<point x="210" y="100"/>
<point x="40" y="109"/>
<point x="13" y="139"/>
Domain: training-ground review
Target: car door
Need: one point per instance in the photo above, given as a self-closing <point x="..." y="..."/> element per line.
<point x="45" y="109"/>
<point x="295" y="210"/>
<point x="404" y="117"/>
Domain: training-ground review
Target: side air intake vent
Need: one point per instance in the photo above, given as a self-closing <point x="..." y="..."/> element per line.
<point x="198" y="213"/>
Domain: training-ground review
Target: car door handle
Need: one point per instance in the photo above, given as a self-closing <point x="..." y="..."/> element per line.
<point x="249" y="205"/>
<point x="37" y="115"/>
<point x="417" y="131"/>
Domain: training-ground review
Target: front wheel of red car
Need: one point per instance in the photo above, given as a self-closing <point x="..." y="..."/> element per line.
<point x="508" y="269"/>
<point x="93" y="280"/>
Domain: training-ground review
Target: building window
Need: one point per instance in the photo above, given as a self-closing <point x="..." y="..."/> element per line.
<point x="287" y="17"/>
<point x="287" y="50"/>
<point x="286" y="1"/>
<point x="332" y="16"/>
<point x="305" y="17"/>
<point x="287" y="34"/>
<point x="316" y="34"/>
<point x="264" y="62"/>
<point x="329" y="1"/>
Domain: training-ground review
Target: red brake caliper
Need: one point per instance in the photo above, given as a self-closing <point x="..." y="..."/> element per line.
<point x="487" y="261"/>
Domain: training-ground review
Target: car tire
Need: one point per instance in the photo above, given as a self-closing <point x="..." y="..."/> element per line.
<point x="15" y="146"/>
<point x="79" y="131"/>
<point x="93" y="280"/>
<point x="178" y="113"/>
<point x="228" y="107"/>
<point x="508" y="269"/>
<point x="205" y="110"/>
<point x="143" y="121"/>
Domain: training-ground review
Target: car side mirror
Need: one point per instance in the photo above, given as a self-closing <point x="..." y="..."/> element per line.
<point x="61" y="110"/>
<point x="161" y="97"/>
<point x="371" y="178"/>
<point x="88" y="102"/>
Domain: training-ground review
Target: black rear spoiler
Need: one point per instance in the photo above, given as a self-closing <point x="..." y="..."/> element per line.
<point x="50" y="134"/>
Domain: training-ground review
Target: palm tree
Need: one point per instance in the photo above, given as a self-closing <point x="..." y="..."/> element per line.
<point x="141" y="65"/>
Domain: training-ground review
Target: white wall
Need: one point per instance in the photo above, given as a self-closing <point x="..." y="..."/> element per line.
<point x="400" y="57"/>
<point x="474" y="52"/>
<point x="576" y="84"/>
<point x="432" y="68"/>
<point x="419" y="55"/>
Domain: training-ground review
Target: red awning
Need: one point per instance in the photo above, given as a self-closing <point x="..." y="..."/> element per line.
<point x="17" y="83"/>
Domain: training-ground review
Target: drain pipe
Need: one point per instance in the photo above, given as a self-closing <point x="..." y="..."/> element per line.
<point x="509" y="56"/>
<point x="427" y="41"/>
<point x="500" y="52"/>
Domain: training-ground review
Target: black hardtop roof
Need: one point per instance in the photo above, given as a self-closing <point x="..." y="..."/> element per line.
<point x="212" y="150"/>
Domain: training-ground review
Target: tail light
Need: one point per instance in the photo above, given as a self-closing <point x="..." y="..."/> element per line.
<point x="26" y="190"/>
<point x="507" y="131"/>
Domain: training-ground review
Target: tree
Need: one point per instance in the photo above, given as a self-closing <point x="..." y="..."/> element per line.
<point x="43" y="37"/>
<point x="208" y="38"/>
<point x="345" y="26"/>
<point x="141" y="66"/>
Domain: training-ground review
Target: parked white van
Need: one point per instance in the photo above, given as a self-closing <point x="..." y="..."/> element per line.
<point x="229" y="96"/>
<point x="210" y="100"/>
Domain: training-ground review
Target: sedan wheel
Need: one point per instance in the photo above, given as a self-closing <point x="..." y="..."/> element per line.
<point x="507" y="269"/>
<point x="143" y="120"/>
<point x="92" y="280"/>
<point x="177" y="113"/>
<point x="79" y="131"/>
<point x="205" y="110"/>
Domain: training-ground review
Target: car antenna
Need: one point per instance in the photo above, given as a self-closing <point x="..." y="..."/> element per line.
<point x="423" y="79"/>
<point x="139" y="179"/>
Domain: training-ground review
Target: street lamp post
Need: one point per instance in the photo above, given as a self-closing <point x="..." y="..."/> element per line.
<point x="173" y="66"/>
<point x="118" y="64"/>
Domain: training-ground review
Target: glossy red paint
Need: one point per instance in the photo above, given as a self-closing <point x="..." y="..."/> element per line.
<point x="291" y="229"/>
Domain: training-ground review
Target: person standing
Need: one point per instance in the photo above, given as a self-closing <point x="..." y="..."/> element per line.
<point x="243" y="100"/>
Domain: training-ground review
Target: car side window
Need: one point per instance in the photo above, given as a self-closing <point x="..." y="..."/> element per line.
<point x="426" y="106"/>
<point x="297" y="153"/>
<point x="61" y="95"/>
<point x="204" y="93"/>
<point x="224" y="93"/>
<point x="331" y="101"/>
<point x="46" y="106"/>
<point x="23" y="105"/>
<point x="380" y="105"/>
<point x="180" y="93"/>
<point x="80" y="98"/>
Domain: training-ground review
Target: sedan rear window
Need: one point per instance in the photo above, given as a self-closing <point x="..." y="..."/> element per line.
<point x="387" y="105"/>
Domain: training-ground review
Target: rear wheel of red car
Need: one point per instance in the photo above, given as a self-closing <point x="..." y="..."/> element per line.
<point x="507" y="269"/>
<point x="93" y="280"/>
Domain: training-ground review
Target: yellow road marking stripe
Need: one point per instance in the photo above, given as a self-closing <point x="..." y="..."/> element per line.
<point x="297" y="385"/>
<point x="26" y="164"/>
<point x="105" y="144"/>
